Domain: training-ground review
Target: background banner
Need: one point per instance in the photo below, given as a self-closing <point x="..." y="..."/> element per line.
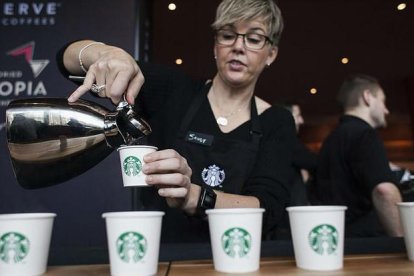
<point x="31" y="33"/>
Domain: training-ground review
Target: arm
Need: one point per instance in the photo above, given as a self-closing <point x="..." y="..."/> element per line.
<point x="170" y="173"/>
<point x="385" y="196"/>
<point x="223" y="200"/>
<point x="371" y="166"/>
<point x="107" y="65"/>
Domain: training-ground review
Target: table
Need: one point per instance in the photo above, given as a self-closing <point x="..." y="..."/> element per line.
<point x="372" y="264"/>
<point x="365" y="264"/>
<point x="92" y="270"/>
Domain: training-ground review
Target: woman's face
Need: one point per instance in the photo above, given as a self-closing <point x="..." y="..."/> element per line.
<point x="239" y="66"/>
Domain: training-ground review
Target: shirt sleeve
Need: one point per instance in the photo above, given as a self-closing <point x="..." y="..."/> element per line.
<point x="164" y="85"/>
<point x="269" y="180"/>
<point x="59" y="61"/>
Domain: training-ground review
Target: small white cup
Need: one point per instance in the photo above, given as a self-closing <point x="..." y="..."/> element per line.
<point x="24" y="243"/>
<point x="133" y="242"/>
<point x="406" y="210"/>
<point x="235" y="235"/>
<point x="131" y="158"/>
<point x="318" y="236"/>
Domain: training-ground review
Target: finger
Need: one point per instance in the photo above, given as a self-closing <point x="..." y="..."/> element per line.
<point x="113" y="92"/>
<point x="134" y="87"/>
<point x="120" y="84"/>
<point x="84" y="88"/>
<point x="100" y="79"/>
<point x="102" y="76"/>
<point x="109" y="80"/>
<point x="78" y="93"/>
<point x="161" y="154"/>
<point x="173" y="192"/>
<point x="171" y="161"/>
<point x="167" y="165"/>
<point x="170" y="179"/>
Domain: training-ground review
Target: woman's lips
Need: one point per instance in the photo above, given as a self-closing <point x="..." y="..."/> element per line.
<point x="236" y="65"/>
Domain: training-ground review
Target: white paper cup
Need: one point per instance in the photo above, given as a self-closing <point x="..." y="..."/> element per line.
<point x="318" y="236"/>
<point x="131" y="158"/>
<point x="133" y="242"/>
<point x="406" y="210"/>
<point x="24" y="243"/>
<point x="236" y="238"/>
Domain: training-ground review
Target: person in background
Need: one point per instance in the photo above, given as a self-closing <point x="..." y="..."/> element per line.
<point x="220" y="146"/>
<point x="353" y="168"/>
<point x="303" y="168"/>
<point x="296" y="112"/>
<point x="304" y="162"/>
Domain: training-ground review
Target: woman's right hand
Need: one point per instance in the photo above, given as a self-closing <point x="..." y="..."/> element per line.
<point x="170" y="173"/>
<point x="107" y="65"/>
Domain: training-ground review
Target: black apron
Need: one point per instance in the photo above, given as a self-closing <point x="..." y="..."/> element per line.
<point x="225" y="165"/>
<point x="221" y="163"/>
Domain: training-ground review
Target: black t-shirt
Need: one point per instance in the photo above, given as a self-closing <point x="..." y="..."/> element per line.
<point x="352" y="161"/>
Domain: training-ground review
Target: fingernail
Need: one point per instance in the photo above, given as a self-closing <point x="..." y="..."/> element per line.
<point x="149" y="179"/>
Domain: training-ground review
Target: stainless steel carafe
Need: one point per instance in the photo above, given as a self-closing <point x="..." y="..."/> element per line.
<point x="51" y="140"/>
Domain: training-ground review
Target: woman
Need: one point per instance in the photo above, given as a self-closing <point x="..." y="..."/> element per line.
<point x="220" y="146"/>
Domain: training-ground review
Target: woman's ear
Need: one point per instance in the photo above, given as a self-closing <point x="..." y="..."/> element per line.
<point x="272" y="55"/>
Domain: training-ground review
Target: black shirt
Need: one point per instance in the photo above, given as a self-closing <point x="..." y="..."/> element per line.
<point x="352" y="161"/>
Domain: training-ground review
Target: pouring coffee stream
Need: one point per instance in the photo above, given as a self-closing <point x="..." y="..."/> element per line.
<point x="51" y="140"/>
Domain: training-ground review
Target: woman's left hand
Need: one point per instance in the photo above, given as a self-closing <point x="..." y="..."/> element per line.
<point x="170" y="173"/>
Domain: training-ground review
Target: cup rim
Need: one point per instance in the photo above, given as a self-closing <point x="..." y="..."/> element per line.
<point x="234" y="211"/>
<point x="21" y="216"/>
<point x="405" y="204"/>
<point x="137" y="146"/>
<point x="319" y="208"/>
<point x="131" y="214"/>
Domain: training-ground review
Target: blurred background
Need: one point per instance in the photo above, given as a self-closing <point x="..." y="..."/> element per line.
<point x="323" y="42"/>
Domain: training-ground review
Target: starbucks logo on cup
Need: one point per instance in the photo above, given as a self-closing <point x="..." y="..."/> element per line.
<point x="14" y="247"/>
<point x="131" y="247"/>
<point x="132" y="166"/>
<point x="323" y="239"/>
<point x="236" y="242"/>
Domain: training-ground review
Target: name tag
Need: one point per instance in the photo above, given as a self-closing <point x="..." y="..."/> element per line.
<point x="199" y="138"/>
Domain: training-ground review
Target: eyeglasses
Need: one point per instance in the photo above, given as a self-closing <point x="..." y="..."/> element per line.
<point x="252" y="41"/>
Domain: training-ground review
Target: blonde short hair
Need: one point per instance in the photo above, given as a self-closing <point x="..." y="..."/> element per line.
<point x="232" y="11"/>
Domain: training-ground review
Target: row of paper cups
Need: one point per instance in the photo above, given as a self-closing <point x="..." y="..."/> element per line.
<point x="134" y="239"/>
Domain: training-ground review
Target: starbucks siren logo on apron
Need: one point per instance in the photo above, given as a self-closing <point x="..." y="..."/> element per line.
<point x="213" y="175"/>
<point x="14" y="247"/>
<point x="131" y="247"/>
<point x="236" y="242"/>
<point x="323" y="239"/>
<point x="132" y="166"/>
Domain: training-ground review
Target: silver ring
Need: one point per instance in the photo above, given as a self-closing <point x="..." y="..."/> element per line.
<point x="97" y="88"/>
